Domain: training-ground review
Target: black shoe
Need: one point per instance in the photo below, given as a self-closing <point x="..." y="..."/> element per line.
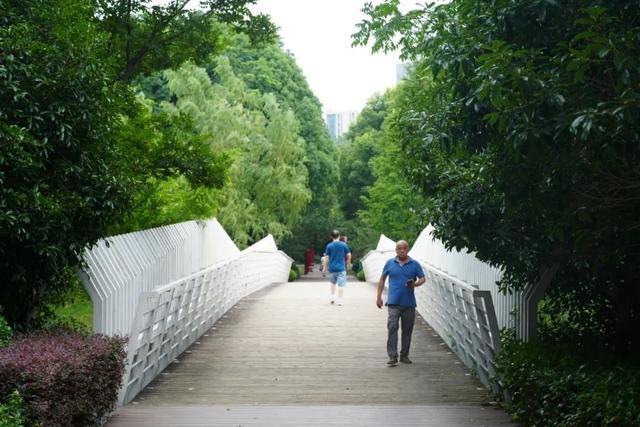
<point x="405" y="359"/>
<point x="393" y="361"/>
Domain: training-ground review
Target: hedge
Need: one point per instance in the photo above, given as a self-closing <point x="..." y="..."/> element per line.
<point x="556" y="385"/>
<point x="65" y="379"/>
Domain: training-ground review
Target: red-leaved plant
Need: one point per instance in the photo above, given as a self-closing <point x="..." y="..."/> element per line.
<point x="64" y="378"/>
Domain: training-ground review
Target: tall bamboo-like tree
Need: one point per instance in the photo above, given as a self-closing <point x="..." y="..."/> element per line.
<point x="267" y="181"/>
<point x="269" y="69"/>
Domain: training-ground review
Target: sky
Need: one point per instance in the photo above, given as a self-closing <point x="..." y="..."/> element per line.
<point x="318" y="34"/>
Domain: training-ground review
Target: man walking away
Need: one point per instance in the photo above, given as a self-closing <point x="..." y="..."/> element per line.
<point x="339" y="257"/>
<point x="405" y="274"/>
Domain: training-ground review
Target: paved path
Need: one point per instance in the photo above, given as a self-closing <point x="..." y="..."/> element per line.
<point x="285" y="356"/>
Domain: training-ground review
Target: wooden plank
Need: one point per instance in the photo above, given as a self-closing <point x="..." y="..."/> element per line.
<point x="293" y="416"/>
<point x="287" y="345"/>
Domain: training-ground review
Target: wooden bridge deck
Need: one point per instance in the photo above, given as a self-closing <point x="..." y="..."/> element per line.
<point x="285" y="356"/>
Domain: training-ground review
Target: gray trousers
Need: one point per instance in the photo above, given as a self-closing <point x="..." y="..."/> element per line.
<point x="406" y="316"/>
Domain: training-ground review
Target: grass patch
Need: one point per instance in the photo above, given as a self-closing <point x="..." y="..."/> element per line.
<point x="78" y="306"/>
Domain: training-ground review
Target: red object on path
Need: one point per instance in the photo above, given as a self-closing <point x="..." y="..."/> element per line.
<point x="309" y="258"/>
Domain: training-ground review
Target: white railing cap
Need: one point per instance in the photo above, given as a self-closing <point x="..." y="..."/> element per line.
<point x="265" y="244"/>
<point x="385" y="244"/>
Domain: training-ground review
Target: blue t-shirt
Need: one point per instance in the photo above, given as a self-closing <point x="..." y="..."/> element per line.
<point x="399" y="293"/>
<point x="337" y="252"/>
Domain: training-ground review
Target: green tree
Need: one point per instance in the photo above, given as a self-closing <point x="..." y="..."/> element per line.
<point x="61" y="176"/>
<point x="267" y="179"/>
<point x="269" y="69"/>
<point x="178" y="170"/>
<point x="392" y="206"/>
<point x="362" y="142"/>
<point x="522" y="131"/>
<point x="145" y="38"/>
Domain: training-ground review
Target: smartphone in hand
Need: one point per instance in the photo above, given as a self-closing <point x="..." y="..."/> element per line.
<point x="410" y="283"/>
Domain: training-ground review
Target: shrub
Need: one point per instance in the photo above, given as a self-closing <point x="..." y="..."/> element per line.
<point x="294" y="273"/>
<point x="295" y="268"/>
<point x="558" y="385"/>
<point x="360" y="275"/>
<point x="64" y="378"/>
<point x="11" y="412"/>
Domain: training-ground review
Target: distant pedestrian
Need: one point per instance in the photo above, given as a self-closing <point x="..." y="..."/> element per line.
<point x="339" y="257"/>
<point x="405" y="274"/>
<point x="309" y="258"/>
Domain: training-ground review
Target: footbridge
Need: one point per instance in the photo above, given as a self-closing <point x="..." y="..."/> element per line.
<point x="219" y="337"/>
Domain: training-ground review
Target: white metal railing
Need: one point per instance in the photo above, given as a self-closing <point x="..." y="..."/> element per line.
<point x="165" y="287"/>
<point x="169" y="319"/>
<point x="465" y="267"/>
<point x="464" y="317"/>
<point x="451" y="301"/>
<point x="120" y="268"/>
<point x="374" y="260"/>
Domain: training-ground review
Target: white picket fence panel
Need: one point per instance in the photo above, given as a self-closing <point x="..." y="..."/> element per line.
<point x="120" y="268"/>
<point x="462" y="314"/>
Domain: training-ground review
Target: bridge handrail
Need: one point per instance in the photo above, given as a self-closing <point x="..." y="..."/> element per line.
<point x="172" y="317"/>
<point x="465" y="319"/>
<point x="119" y="268"/>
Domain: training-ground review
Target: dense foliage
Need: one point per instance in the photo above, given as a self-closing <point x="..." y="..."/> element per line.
<point x="149" y="37"/>
<point x="376" y="196"/>
<point x="11" y="411"/>
<point x="177" y="169"/>
<point x="361" y="143"/>
<point x="269" y="69"/>
<point x="64" y="378"/>
<point x="392" y="204"/>
<point x="267" y="179"/>
<point x="81" y="157"/>
<point x="554" y="385"/>
<point x="61" y="183"/>
<point x="520" y="125"/>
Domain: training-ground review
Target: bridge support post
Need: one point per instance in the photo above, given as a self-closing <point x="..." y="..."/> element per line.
<point x="528" y="325"/>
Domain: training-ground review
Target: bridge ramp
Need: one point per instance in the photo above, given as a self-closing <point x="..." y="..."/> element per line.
<point x="287" y="350"/>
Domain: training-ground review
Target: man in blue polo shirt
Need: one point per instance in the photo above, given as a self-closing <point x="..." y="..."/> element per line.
<point x="405" y="274"/>
<point x="339" y="257"/>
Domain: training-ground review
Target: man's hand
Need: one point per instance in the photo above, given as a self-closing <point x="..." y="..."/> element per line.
<point x="379" y="302"/>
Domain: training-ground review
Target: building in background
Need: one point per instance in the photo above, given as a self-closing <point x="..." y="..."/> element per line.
<point x="401" y="71"/>
<point x="339" y="122"/>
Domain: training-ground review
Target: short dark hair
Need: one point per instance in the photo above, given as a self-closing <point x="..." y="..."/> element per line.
<point x="335" y="233"/>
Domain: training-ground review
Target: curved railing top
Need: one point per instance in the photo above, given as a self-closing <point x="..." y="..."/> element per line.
<point x="385" y="244"/>
<point x="119" y="268"/>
